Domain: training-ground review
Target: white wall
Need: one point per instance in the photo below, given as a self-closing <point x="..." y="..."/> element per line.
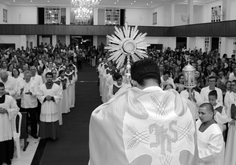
<point x="207" y="10"/>
<point x="183" y="10"/>
<point x="101" y="17"/>
<point x="163" y="15"/>
<point x="166" y="41"/>
<point x="23" y="15"/>
<point x="3" y="6"/>
<point x="18" y="40"/>
<point x="196" y="42"/>
<point x="233" y="10"/>
<point x="33" y="39"/>
<point x="140" y="17"/>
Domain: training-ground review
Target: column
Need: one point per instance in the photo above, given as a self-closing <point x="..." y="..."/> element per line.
<point x="190" y="11"/>
<point x="172" y="21"/>
<point x="172" y="43"/>
<point x="95" y="41"/>
<point x="40" y="40"/>
<point x="191" y="43"/>
<point x="200" y="43"/>
<point x="54" y="40"/>
<point x="67" y="40"/>
<point x="68" y="10"/>
<point x="226" y="9"/>
<point x="22" y="41"/>
<point x="95" y="16"/>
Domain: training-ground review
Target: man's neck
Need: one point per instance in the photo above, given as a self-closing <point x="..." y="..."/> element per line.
<point x="212" y="87"/>
<point x="148" y="83"/>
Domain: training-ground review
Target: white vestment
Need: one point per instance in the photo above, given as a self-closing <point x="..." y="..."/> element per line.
<point x="230" y="158"/>
<point x="49" y="111"/>
<point x="210" y="145"/>
<point x="143" y="127"/>
<point x="6" y="119"/>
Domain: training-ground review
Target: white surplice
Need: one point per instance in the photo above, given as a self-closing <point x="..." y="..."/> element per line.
<point x="221" y="118"/>
<point x="49" y="111"/>
<point x="230" y="158"/>
<point x="7" y="118"/>
<point x="210" y="145"/>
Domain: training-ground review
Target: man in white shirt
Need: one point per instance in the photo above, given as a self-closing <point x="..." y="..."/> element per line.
<point x="35" y="77"/>
<point x="29" y="101"/>
<point x="38" y="80"/>
<point x="205" y="91"/>
<point x="166" y="79"/>
<point x="9" y="83"/>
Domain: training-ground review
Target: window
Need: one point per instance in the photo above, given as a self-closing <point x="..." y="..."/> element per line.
<point x="216" y="14"/>
<point x="219" y="50"/>
<point x="155" y="18"/>
<point x="52" y="15"/>
<point x="4" y="15"/>
<point x="207" y="43"/>
<point x="112" y="17"/>
<point x="234" y="46"/>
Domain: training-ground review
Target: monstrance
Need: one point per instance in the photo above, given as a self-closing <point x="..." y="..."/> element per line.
<point x="189" y="77"/>
<point x="127" y="44"/>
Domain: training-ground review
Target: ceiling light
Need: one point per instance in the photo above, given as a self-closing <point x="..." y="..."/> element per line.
<point x="131" y="3"/>
<point x="147" y="3"/>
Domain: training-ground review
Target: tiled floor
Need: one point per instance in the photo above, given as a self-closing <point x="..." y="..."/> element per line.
<point x="28" y="155"/>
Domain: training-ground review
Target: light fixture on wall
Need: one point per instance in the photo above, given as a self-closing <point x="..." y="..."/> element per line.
<point x="83" y="9"/>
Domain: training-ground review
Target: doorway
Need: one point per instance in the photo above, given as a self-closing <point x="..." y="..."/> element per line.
<point x="214" y="43"/>
<point x="181" y="42"/>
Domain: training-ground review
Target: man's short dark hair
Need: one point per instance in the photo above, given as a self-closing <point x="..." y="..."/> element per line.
<point x="145" y="69"/>
<point x="2" y="85"/>
<point x="208" y="106"/>
<point x="213" y="93"/>
<point x="49" y="74"/>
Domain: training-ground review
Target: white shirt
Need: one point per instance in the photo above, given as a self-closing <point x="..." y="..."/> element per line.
<point x="37" y="79"/>
<point x="10" y="85"/>
<point x="232" y="77"/>
<point x="27" y="100"/>
<point x="205" y="91"/>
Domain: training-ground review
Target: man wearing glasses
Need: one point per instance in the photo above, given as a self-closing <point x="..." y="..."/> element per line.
<point x="205" y="91"/>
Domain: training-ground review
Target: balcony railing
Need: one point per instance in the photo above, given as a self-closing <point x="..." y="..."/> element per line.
<point x="217" y="29"/>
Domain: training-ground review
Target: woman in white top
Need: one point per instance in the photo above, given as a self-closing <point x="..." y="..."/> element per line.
<point x="19" y="80"/>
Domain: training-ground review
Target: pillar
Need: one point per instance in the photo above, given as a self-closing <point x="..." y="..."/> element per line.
<point x="54" y="40"/>
<point x="95" y="16"/>
<point x="68" y="10"/>
<point x="67" y="40"/>
<point x="190" y="11"/>
<point x="172" y="21"/>
<point x="226" y="9"/>
<point x="95" y="41"/>
<point x="22" y="41"/>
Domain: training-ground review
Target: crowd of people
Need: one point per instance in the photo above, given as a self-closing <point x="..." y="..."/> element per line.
<point x="39" y="82"/>
<point x="213" y="97"/>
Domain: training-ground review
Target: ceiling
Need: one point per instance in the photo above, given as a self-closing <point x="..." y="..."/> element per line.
<point x="103" y="3"/>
